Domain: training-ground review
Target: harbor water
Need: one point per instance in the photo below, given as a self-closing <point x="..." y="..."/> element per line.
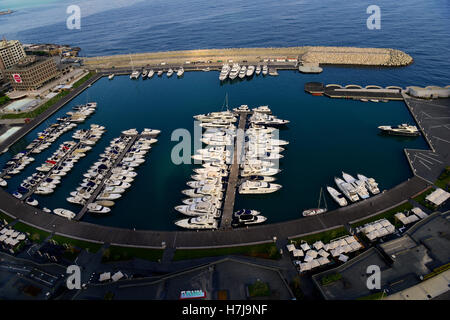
<point x="326" y="136"/>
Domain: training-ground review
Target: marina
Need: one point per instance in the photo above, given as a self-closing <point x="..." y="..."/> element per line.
<point x="156" y="217"/>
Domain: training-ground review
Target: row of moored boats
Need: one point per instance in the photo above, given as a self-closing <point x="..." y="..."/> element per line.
<point x="112" y="176"/>
<point x="236" y="70"/>
<point x="148" y="74"/>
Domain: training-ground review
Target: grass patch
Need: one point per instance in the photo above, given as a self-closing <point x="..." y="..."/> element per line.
<point x="374" y="296"/>
<point x="325" y="236"/>
<point x="82" y="80"/>
<point x="389" y="215"/>
<point x="266" y="250"/>
<point x="330" y="278"/>
<point x="5" y="217"/>
<point x="259" y="289"/>
<point x="89" y="246"/>
<point x="117" y="253"/>
<point x="36" y="235"/>
<point x="421" y="199"/>
<point x="4" y="100"/>
<point x="444" y="179"/>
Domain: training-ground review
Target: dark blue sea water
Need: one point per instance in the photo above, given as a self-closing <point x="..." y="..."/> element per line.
<point x="420" y="28"/>
<point x="326" y="136"/>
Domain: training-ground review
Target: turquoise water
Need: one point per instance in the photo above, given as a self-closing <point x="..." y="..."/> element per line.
<point x="326" y="136"/>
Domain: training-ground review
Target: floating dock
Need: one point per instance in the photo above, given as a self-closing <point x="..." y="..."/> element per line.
<point x="354" y="91"/>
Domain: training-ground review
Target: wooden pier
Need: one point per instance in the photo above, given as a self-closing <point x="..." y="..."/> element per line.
<point x="230" y="195"/>
<point x="106" y="177"/>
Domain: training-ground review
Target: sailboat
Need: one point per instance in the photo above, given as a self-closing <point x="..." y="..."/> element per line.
<point x="318" y="210"/>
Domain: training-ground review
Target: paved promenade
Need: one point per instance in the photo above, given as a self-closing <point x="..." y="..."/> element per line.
<point x="263" y="233"/>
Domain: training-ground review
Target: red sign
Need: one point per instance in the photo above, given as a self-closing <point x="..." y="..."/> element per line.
<point x="17" y="78"/>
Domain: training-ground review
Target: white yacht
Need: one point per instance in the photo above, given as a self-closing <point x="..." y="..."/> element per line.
<point x="401" y="130"/>
<point x="247" y="219"/>
<point x="262" y="109"/>
<point x="358" y="185"/>
<point x="199" y="209"/>
<point x="202" y="191"/>
<point x="144" y="73"/>
<point x="250" y="71"/>
<point x="135" y="74"/>
<point x="64" y="213"/>
<point x="347" y="189"/>
<point x="337" y="196"/>
<point x="258" y="70"/>
<point x="97" y="208"/>
<point x="260" y="178"/>
<point x="108" y="196"/>
<point x="258" y="187"/>
<point x="169" y="73"/>
<point x="180" y="72"/>
<point x="259" y="171"/>
<point x="160" y="72"/>
<point x="200" y="222"/>
<point x="242" y="108"/>
<point x="265" y="70"/>
<point x="150" y="74"/>
<point x="224" y="72"/>
<point x="243" y="72"/>
<point x="370" y="183"/>
<point x="234" y="72"/>
<point x="111" y="76"/>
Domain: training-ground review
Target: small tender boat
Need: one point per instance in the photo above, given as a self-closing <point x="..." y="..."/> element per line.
<point x="32" y="202"/>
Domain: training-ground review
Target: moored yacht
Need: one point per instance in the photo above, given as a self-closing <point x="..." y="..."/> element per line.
<point x="135" y="74"/>
<point x="180" y="72"/>
<point x="224" y="72"/>
<point x="347" y="189"/>
<point x="200" y="222"/>
<point x="169" y="73"/>
<point x="243" y="72"/>
<point x="111" y="76"/>
<point x="358" y="185"/>
<point x="64" y="213"/>
<point x="234" y="72"/>
<point x="258" y="70"/>
<point x="370" y="183"/>
<point x="258" y="187"/>
<point x="250" y="71"/>
<point x="401" y="130"/>
<point x="337" y="196"/>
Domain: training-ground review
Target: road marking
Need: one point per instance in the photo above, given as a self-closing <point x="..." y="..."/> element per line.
<point x="425" y="165"/>
<point x="438" y="161"/>
<point x="416" y="156"/>
<point x="437" y="138"/>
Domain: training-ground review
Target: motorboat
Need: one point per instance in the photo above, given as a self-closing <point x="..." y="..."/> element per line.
<point x="200" y="222"/>
<point x="250" y="71"/>
<point x="243" y="72"/>
<point x="198" y="209"/>
<point x="180" y="72"/>
<point x="358" y="185"/>
<point x="242" y="108"/>
<point x="150" y="132"/>
<point x="246" y="211"/>
<point x="260" y="178"/>
<point x="144" y="73"/>
<point x="97" y="208"/>
<point x="111" y="76"/>
<point x="3" y="182"/>
<point x="150" y="74"/>
<point x="201" y="192"/>
<point x="258" y="170"/>
<point x="135" y="75"/>
<point x="247" y="219"/>
<point x="401" y="130"/>
<point x="224" y="72"/>
<point x="265" y="70"/>
<point x="76" y="200"/>
<point x="113" y="189"/>
<point x="32" y="202"/>
<point x="337" y="196"/>
<point x="169" y="73"/>
<point x="370" y="183"/>
<point x="160" y="72"/>
<point x="347" y="189"/>
<point x="64" y="213"/>
<point x="108" y="196"/>
<point x="234" y="72"/>
<point x="258" y="187"/>
<point x="258" y="70"/>
<point x="262" y="109"/>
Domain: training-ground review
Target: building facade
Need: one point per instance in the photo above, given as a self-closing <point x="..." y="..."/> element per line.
<point x="32" y="73"/>
<point x="11" y="52"/>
